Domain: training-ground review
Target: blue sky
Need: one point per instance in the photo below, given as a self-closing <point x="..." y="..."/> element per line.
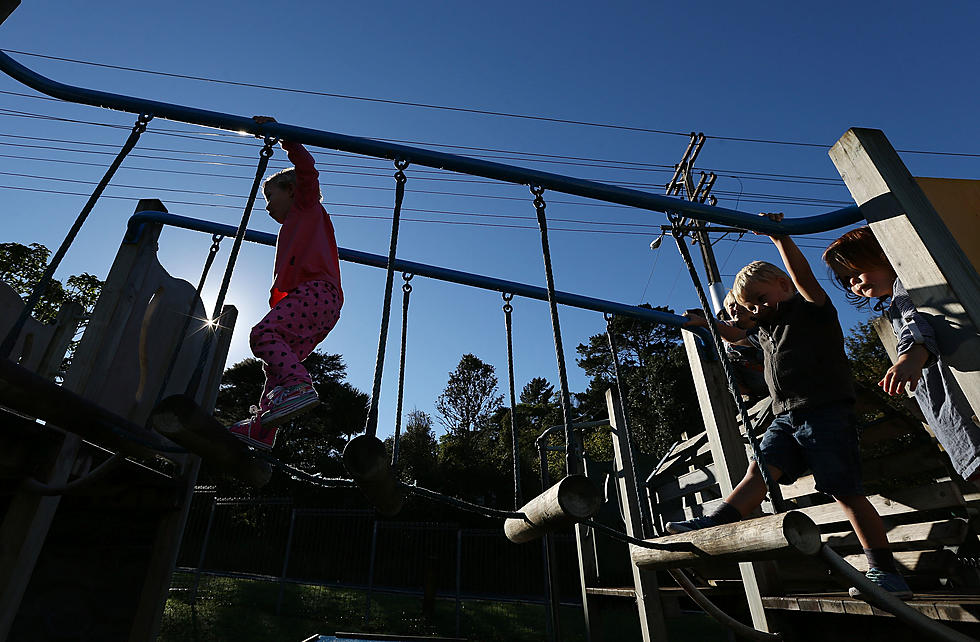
<point x="774" y="71"/>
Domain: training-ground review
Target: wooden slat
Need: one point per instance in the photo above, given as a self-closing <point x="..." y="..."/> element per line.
<point x="686" y="484"/>
<point x="941" y="495"/>
<point x="950" y="608"/>
<point x="940" y="562"/>
<point x="949" y="532"/>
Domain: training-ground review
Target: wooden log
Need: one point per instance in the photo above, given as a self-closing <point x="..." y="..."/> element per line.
<point x="770" y="537"/>
<point x="367" y="461"/>
<point x="182" y="421"/>
<point x="574" y="498"/>
<point x="6" y="8"/>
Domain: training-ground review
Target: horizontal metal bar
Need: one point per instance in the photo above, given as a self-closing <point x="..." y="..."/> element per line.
<point x="422" y="269"/>
<point x="429" y="158"/>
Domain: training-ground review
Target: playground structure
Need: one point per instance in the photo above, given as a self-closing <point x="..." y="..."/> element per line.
<point x="112" y="396"/>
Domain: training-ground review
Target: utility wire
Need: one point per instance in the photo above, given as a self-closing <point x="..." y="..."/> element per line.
<point x="486" y="112"/>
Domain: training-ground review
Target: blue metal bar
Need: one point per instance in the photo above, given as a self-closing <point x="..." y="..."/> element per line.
<point x="136" y="222"/>
<point x="428" y="158"/>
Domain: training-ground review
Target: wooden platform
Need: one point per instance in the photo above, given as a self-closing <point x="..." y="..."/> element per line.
<point x="950" y="607"/>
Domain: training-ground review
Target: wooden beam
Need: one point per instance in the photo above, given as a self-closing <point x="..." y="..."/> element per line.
<point x="368" y="463"/>
<point x="947" y="532"/>
<point x="764" y="538"/>
<point x="648" y="603"/>
<point x="940" y="495"/>
<point x="574" y="498"/>
<point x="938" y="275"/>
<point x="6" y="8"/>
<point x="730" y="459"/>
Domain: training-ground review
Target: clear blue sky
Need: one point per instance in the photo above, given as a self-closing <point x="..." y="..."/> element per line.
<point x="773" y="71"/>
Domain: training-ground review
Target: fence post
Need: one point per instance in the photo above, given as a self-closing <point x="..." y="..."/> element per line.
<point x="204" y="550"/>
<point x="459" y="575"/>
<point x="285" y="562"/>
<point x="374" y="545"/>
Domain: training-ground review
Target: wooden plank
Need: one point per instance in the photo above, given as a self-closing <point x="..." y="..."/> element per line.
<point x="686" y="484"/>
<point x="940" y="278"/>
<point x="930" y="606"/>
<point x="940" y="562"/>
<point x="941" y="495"/>
<point x="949" y="532"/>
<point x="648" y="604"/>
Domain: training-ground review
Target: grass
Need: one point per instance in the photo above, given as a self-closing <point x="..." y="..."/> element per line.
<point x="244" y="610"/>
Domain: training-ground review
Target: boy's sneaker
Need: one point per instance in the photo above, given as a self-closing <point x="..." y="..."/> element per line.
<point x="693" y="524"/>
<point x="285" y="402"/>
<point x="894" y="583"/>
<point x="254" y="433"/>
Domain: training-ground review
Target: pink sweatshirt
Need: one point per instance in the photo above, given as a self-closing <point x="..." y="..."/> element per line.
<point x="306" y="249"/>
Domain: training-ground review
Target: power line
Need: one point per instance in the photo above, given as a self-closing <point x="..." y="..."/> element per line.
<point x="467" y="110"/>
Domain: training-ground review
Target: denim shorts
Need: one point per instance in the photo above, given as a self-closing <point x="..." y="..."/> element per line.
<point x="822" y="440"/>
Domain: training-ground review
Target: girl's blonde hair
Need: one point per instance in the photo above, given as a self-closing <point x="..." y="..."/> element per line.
<point x="754" y="272"/>
<point x="851" y="254"/>
<point x="282" y="179"/>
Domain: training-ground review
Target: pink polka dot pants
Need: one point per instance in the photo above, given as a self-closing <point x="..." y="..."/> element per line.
<point x="291" y="331"/>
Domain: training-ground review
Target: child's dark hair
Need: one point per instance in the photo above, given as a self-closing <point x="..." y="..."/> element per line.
<point x="851" y="254"/>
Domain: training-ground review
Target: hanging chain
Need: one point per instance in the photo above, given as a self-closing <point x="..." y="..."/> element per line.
<point x="42" y="286"/>
<point x="371" y="427"/>
<point x="214" y="323"/>
<point x="406" y="295"/>
<point x="515" y="452"/>
<point x="572" y="451"/>
<point x="774" y="494"/>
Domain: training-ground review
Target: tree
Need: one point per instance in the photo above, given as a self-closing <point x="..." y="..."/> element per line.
<point x="21" y="267"/>
<point x="658" y="391"/>
<point x="470" y="396"/>
<point x="418" y="451"/>
<point x="537" y="391"/>
<point x="314" y="441"/>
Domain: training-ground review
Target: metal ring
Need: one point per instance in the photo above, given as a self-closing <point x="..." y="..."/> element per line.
<point x="507" y="296"/>
<point x="508" y="308"/>
<point x="608" y="316"/>
<point x="407" y="276"/>
<point x="537" y="190"/>
<point x="217" y="238"/>
<point x="407" y="287"/>
<point x="401" y="164"/>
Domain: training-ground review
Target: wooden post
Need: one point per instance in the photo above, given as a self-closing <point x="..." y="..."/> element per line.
<point x="6" y="8"/>
<point x="728" y="452"/>
<point x="938" y="275"/>
<point x="648" y="605"/>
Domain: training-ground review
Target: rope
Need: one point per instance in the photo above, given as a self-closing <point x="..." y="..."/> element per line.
<point x="212" y="252"/>
<point x="486" y="511"/>
<point x="508" y="309"/>
<point x="774" y="493"/>
<point x="572" y="463"/>
<point x="42" y="286"/>
<point x="264" y="155"/>
<point x="371" y="427"/>
<point x="406" y="294"/>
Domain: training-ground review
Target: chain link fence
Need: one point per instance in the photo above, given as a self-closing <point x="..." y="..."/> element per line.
<point x="265" y="569"/>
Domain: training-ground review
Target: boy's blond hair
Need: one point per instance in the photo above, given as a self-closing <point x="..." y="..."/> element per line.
<point x="752" y="273"/>
<point x="282" y="179"/>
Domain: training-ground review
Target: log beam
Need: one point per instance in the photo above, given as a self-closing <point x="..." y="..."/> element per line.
<point x="368" y="463"/>
<point x="764" y="538"/>
<point x="574" y="498"/>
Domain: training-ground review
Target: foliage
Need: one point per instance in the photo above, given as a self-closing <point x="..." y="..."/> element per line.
<point x="470" y="397"/>
<point x="417" y="450"/>
<point x="658" y="391"/>
<point x="869" y="362"/>
<point x="22" y="266"/>
<point x="313" y="442"/>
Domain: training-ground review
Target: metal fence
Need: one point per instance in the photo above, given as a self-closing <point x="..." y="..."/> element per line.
<point x="348" y="569"/>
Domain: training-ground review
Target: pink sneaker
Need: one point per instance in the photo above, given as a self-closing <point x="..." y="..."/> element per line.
<point x="253" y="433"/>
<point x="289" y="401"/>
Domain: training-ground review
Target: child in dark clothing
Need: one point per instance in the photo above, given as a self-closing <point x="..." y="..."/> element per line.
<point x="809" y="380"/>
<point x="862" y="269"/>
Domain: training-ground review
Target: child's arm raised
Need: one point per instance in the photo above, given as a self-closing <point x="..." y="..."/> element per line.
<point x="796" y="265"/>
<point x="307" y="178"/>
